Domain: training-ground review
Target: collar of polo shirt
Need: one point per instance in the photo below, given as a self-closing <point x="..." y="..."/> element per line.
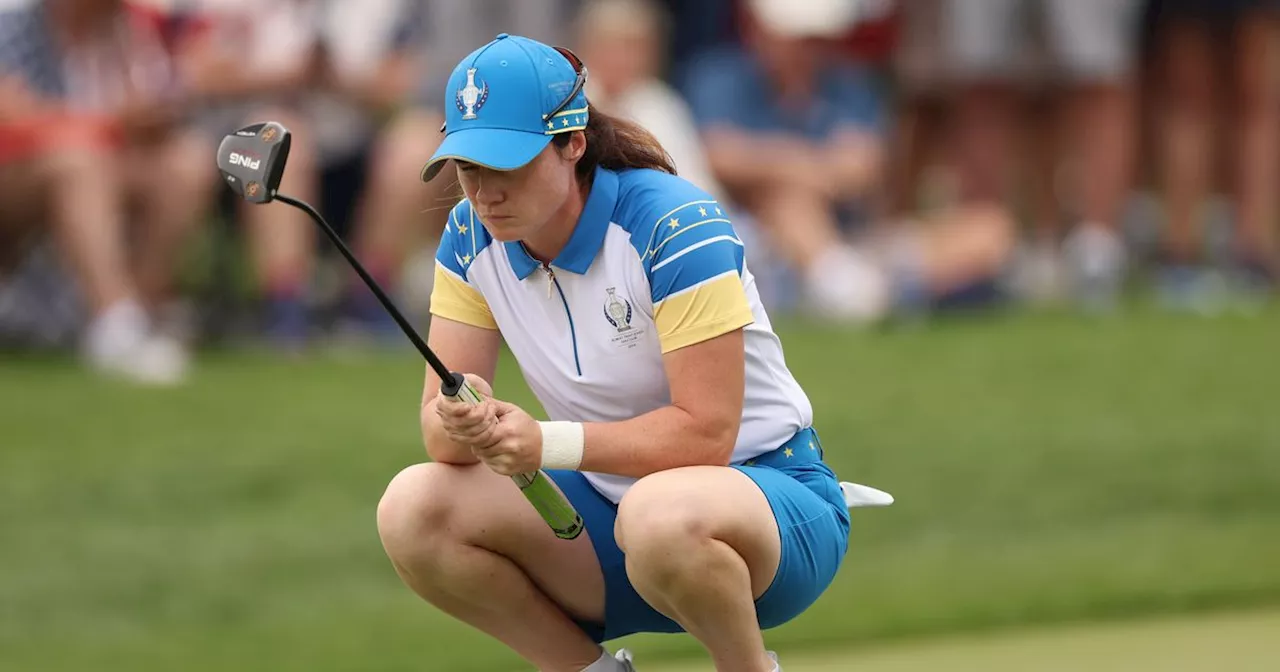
<point x="588" y="234"/>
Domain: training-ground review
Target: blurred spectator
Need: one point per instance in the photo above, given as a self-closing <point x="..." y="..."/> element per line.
<point x="252" y="62"/>
<point x="794" y="133"/>
<point x="790" y="132"/>
<point x="920" y="110"/>
<point x="1214" y="59"/>
<point x="1090" y="43"/>
<point x="623" y="42"/>
<point x="374" y="139"/>
<point x="93" y="149"/>
<point x="340" y="75"/>
<point x="455" y="27"/>
<point x="696" y="27"/>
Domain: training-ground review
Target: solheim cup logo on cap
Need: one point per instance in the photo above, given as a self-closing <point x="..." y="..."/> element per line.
<point x="471" y="97"/>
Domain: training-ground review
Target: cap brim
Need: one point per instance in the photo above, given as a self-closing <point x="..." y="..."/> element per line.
<point x="496" y="148"/>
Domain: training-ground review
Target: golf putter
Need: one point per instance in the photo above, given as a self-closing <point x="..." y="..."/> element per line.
<point x="252" y="161"/>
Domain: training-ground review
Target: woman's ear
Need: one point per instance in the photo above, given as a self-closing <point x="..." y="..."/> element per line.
<point x="576" y="148"/>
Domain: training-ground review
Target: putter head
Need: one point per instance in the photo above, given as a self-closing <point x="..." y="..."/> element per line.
<point x="252" y="160"/>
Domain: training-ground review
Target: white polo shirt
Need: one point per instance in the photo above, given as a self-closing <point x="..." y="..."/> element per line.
<point x="653" y="265"/>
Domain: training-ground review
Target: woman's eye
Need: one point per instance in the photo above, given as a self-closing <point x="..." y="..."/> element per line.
<point x="466" y="167"/>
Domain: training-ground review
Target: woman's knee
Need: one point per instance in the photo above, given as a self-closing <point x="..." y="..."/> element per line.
<point x="660" y="513"/>
<point x="417" y="507"/>
<point x="674" y="525"/>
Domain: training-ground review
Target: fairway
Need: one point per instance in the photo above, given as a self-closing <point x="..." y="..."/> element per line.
<point x="1240" y="643"/>
<point x="1047" y="469"/>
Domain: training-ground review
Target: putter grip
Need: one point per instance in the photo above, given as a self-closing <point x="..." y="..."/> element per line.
<point x="537" y="488"/>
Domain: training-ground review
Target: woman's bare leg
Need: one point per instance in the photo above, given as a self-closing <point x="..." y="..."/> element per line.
<point x="466" y="540"/>
<point x="701" y="545"/>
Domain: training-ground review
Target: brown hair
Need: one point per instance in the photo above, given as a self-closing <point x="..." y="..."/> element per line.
<point x="615" y="144"/>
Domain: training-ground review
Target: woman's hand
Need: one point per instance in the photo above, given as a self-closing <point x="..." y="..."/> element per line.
<point x="514" y="444"/>
<point x="466" y="423"/>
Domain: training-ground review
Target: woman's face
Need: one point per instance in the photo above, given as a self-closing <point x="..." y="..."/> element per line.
<point x="516" y="204"/>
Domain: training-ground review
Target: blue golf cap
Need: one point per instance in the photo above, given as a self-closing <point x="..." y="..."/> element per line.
<point x="506" y="101"/>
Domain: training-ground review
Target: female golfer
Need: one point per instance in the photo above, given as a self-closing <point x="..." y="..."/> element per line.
<point x="677" y="431"/>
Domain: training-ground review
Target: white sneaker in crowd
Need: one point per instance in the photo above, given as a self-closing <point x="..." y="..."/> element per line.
<point x="1096" y="257"/>
<point x="844" y="284"/>
<point x="119" y="342"/>
<point x="1037" y="274"/>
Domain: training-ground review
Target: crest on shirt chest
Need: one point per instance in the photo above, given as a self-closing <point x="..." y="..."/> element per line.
<point x="619" y="312"/>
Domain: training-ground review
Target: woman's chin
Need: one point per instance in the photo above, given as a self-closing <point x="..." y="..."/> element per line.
<point x="504" y="229"/>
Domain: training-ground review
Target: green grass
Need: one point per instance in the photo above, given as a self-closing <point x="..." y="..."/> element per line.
<point x="1243" y="642"/>
<point x="1047" y="469"/>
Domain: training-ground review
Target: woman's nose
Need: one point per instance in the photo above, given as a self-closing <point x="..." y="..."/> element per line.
<point x="489" y="191"/>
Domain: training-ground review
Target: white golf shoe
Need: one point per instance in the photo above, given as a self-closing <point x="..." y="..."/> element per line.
<point x="623" y="657"/>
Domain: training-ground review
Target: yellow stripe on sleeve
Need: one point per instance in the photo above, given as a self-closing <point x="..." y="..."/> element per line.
<point x="715" y="307"/>
<point x="453" y="299"/>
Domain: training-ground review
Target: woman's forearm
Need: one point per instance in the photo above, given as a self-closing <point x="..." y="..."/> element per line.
<point x="665" y="438"/>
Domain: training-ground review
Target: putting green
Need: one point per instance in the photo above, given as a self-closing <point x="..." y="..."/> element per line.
<point x="1245" y="642"/>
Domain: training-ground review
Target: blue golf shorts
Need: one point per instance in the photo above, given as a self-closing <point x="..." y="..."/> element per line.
<point x="813" y="524"/>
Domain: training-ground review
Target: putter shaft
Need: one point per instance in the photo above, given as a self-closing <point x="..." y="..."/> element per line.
<point x="435" y="363"/>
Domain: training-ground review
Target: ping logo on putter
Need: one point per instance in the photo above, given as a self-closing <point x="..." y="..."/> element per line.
<point x="238" y="159"/>
<point x="252" y="160"/>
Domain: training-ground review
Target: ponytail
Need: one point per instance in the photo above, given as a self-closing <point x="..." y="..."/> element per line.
<point x="615" y="144"/>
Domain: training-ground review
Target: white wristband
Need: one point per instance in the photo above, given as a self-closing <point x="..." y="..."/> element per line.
<point x="562" y="445"/>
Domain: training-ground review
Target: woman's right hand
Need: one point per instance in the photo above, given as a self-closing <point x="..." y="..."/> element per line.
<point x="465" y="423"/>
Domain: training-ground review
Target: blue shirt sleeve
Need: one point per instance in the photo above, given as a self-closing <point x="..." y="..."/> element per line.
<point x="687" y="238"/>
<point x="462" y="240"/>
<point x="693" y="260"/>
<point x="691" y="248"/>
<point x="454" y="296"/>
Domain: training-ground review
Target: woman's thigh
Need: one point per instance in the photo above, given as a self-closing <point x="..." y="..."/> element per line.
<point x="813" y="529"/>
<point x="788" y="529"/>
<point x="708" y="502"/>
<point x="475" y="506"/>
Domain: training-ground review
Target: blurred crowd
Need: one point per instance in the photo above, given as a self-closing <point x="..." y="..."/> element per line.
<point x="884" y="159"/>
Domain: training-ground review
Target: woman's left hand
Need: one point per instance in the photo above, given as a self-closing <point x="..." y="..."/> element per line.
<point x="513" y="445"/>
